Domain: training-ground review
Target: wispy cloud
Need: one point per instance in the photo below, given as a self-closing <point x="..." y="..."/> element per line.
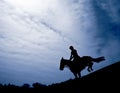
<point x="29" y="41"/>
<point x="107" y="13"/>
<point x="35" y="38"/>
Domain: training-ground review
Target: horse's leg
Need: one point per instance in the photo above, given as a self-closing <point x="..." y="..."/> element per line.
<point x="79" y="74"/>
<point x="75" y="75"/>
<point x="90" y="67"/>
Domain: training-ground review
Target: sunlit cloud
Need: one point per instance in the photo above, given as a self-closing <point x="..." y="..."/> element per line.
<point x="35" y="34"/>
<point x="30" y="39"/>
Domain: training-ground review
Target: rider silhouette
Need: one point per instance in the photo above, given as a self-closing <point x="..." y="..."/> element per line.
<point x="74" y="55"/>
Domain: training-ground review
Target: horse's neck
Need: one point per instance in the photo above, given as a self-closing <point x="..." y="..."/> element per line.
<point x="67" y="62"/>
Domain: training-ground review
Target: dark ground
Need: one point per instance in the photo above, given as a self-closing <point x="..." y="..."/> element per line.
<point x="103" y="80"/>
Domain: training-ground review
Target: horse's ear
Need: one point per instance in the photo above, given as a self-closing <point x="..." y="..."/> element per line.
<point x="62" y="58"/>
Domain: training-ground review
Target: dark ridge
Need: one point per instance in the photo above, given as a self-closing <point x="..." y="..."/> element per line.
<point x="103" y="80"/>
<point x="109" y="73"/>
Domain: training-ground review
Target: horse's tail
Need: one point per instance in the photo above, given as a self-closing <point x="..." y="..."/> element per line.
<point x="99" y="59"/>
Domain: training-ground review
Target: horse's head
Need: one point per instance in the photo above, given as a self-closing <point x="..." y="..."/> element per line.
<point x="62" y="64"/>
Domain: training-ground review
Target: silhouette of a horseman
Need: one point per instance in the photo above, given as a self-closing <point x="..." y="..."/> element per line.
<point x="74" y="57"/>
<point x="76" y="63"/>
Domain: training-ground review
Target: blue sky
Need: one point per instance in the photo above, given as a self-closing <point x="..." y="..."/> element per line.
<point x="35" y="34"/>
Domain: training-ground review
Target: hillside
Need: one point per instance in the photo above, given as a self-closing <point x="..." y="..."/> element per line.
<point x="109" y="73"/>
<point x="103" y="80"/>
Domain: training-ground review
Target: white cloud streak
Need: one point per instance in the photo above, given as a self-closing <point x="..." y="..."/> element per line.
<point x="35" y="35"/>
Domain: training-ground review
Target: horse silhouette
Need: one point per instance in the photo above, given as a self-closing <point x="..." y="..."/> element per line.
<point x="77" y="67"/>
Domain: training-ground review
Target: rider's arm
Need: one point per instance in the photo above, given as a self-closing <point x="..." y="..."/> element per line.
<point x="71" y="56"/>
